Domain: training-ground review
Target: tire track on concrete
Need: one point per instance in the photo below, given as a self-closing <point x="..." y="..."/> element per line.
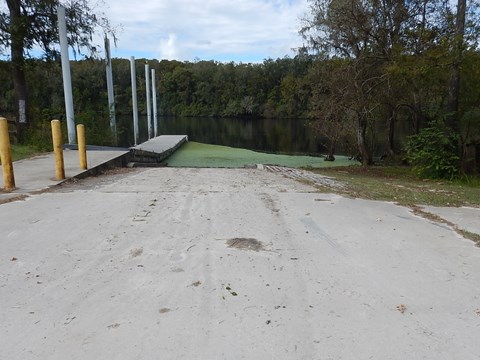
<point x="313" y="226"/>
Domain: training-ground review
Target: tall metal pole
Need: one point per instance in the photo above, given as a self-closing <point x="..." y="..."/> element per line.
<point x="111" y="96"/>
<point x="149" y="106"/>
<point x="67" y="81"/>
<point x="134" y="98"/>
<point x="154" y="98"/>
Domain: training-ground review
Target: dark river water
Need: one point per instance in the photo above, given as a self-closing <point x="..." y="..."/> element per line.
<point x="270" y="135"/>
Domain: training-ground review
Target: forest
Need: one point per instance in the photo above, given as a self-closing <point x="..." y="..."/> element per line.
<point x="381" y="79"/>
<point x="288" y="87"/>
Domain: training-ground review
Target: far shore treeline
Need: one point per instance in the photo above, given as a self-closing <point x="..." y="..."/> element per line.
<point x="281" y="88"/>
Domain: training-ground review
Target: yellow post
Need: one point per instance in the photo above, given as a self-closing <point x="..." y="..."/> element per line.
<point x="6" y="156"/>
<point x="82" y="150"/>
<point x="58" y="150"/>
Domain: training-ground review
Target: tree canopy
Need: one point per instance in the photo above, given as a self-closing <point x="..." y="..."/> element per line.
<point x="395" y="53"/>
<point x="27" y="25"/>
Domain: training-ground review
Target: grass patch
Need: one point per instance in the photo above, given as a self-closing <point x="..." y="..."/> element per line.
<point x="399" y="184"/>
<point x="193" y="154"/>
<point x="20" y="152"/>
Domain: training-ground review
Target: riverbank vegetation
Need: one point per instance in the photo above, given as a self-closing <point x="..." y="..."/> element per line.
<point x="398" y="184"/>
<point x="288" y="87"/>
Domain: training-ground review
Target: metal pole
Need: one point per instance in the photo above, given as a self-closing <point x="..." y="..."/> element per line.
<point x="67" y="81"/>
<point x="149" y="106"/>
<point x="134" y="98"/>
<point x="111" y="96"/>
<point x="155" y="111"/>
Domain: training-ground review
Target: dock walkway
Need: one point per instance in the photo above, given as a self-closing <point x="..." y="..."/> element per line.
<point x="157" y="149"/>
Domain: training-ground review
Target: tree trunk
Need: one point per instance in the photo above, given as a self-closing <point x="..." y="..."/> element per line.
<point x="390" y="150"/>
<point x="18" y="60"/>
<point x="331" y="151"/>
<point x="361" y="140"/>
<point x="454" y="84"/>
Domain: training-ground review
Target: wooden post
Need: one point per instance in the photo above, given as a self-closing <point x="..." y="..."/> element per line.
<point x="58" y="150"/>
<point x="82" y="149"/>
<point x="6" y="156"/>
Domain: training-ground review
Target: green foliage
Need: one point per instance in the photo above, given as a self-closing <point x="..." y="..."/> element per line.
<point x="20" y="152"/>
<point x="409" y="89"/>
<point x="39" y="134"/>
<point x="433" y="153"/>
<point x="97" y="130"/>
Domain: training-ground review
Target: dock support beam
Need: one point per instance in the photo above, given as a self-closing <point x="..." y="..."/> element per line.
<point x="134" y="99"/>
<point x="149" y="107"/>
<point x="67" y="80"/>
<point x="111" y="96"/>
<point x="155" y="110"/>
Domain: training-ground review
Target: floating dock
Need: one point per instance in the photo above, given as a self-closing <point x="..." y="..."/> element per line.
<point x="156" y="150"/>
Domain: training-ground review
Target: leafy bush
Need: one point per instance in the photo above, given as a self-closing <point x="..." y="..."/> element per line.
<point x="433" y="153"/>
<point x="97" y="128"/>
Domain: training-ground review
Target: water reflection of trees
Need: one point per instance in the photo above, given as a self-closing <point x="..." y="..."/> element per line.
<point x="271" y="135"/>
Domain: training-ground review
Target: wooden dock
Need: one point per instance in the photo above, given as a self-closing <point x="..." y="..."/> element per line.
<point x="156" y="150"/>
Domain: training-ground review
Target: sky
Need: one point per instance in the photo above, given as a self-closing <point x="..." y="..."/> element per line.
<point x="222" y="30"/>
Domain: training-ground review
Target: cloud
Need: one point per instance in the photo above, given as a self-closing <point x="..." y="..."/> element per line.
<point x="208" y="29"/>
<point x="168" y="48"/>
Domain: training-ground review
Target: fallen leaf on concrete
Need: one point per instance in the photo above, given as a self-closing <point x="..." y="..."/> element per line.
<point x="245" y="244"/>
<point x="136" y="252"/>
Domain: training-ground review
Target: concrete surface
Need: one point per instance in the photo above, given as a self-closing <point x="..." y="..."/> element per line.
<point x="230" y="264"/>
<point x="38" y="173"/>
<point x="161" y="143"/>
<point x="467" y="218"/>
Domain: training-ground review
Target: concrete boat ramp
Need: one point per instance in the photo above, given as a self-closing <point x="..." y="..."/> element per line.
<point x="38" y="173"/>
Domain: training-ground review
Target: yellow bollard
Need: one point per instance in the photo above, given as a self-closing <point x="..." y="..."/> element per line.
<point x="58" y="150"/>
<point x="82" y="150"/>
<point x="6" y="156"/>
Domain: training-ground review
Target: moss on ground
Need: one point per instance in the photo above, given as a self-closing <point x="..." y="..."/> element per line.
<point x="193" y="154"/>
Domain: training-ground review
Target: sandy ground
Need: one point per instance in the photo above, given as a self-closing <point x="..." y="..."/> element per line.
<point x="230" y="264"/>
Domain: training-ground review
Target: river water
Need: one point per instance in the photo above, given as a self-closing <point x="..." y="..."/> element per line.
<point x="270" y="135"/>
